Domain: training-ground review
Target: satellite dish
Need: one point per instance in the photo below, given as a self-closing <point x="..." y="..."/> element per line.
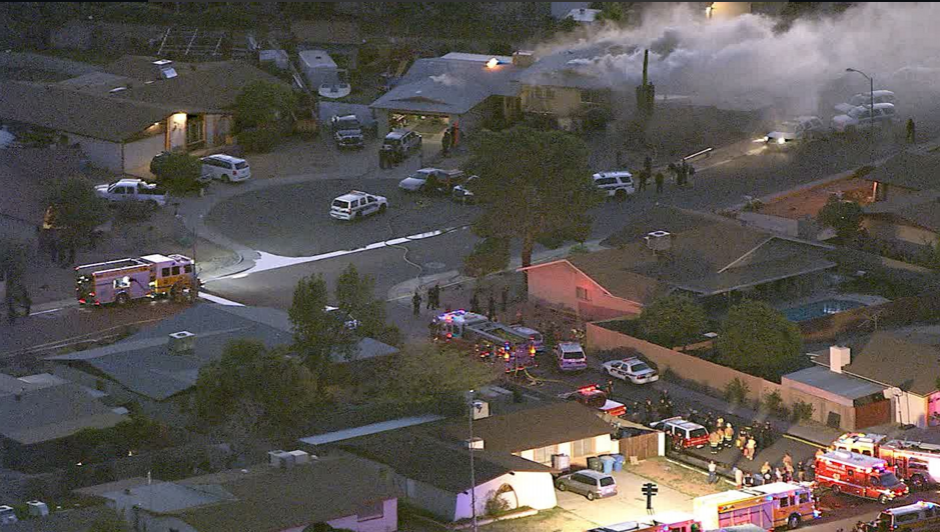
<point x="334" y="90"/>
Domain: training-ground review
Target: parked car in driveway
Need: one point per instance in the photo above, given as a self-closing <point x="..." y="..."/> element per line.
<point x="862" y="117"/>
<point x="431" y="181"/>
<point x="347" y="132"/>
<point x="133" y="190"/>
<point x="356" y="204"/>
<point x="226" y="168"/>
<point x="631" y="369"/>
<point x="798" y="129"/>
<point x="570" y="356"/>
<point x="592" y="484"/>
<point x="879" y="96"/>
<point x="402" y="142"/>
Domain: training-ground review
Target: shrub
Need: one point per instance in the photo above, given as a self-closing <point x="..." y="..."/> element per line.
<point x="495" y="505"/>
<point x="258" y="140"/>
<point x="578" y="249"/>
<point x="802" y="411"/>
<point x="133" y="211"/>
<point x="773" y="402"/>
<point x="736" y="391"/>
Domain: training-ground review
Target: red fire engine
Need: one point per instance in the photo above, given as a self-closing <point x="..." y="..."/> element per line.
<point x="591" y="395"/>
<point x="914" y="462"/>
<point x="859" y="475"/>
<point x="493" y="342"/>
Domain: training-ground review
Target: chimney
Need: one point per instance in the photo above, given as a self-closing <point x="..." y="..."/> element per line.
<point x="182" y="343"/>
<point x="839" y="357"/>
<point x="523" y="58"/>
<point x="481" y="409"/>
<point x="659" y="241"/>
<point x="475" y="443"/>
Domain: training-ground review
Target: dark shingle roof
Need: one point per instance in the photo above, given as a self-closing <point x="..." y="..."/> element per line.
<point x="269" y="499"/>
<point x="428" y="459"/>
<point x="51" y="413"/>
<point x="534" y="428"/>
<point x="908" y="359"/>
<point x="920" y="208"/>
<point x="916" y="169"/>
<point x="98" y="116"/>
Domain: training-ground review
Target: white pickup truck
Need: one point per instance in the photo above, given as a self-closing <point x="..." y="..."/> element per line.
<point x="133" y="190"/>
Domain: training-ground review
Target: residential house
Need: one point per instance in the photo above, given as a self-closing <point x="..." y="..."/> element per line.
<point x="839" y="400"/>
<point x="39" y="413"/>
<point x="513" y="456"/>
<point x="262" y="498"/>
<point x="583" y="15"/>
<point x="673" y="251"/>
<point x="463" y="89"/>
<point x="151" y="368"/>
<point x="135" y="108"/>
<point x="911" y="221"/>
<point x="904" y="363"/>
<point x="910" y="171"/>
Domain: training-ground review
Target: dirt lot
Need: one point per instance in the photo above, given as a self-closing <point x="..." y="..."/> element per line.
<point x="679" y="478"/>
<point x="809" y="202"/>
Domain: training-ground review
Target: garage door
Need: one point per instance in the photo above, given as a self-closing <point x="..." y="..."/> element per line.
<point x="139" y="153"/>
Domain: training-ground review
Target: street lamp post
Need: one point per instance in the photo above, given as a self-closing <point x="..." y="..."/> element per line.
<point x="871" y="114"/>
<point x="473" y="480"/>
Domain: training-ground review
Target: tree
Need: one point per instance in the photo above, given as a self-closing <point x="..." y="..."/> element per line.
<point x="757" y="339"/>
<point x="250" y="376"/>
<point x="355" y="296"/>
<point x="534" y="184"/>
<point x="78" y="210"/>
<point x="317" y="335"/>
<point x="177" y="172"/>
<point x="262" y="103"/>
<point x="843" y="216"/>
<point x="672" y="321"/>
<point x="612" y="11"/>
<point x="435" y="375"/>
<point x="489" y="255"/>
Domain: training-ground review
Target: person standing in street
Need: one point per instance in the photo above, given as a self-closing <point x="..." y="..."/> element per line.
<point x="491" y="307"/>
<point x="800" y="472"/>
<point x="648" y="165"/>
<point x="738" y="477"/>
<point x="750" y="448"/>
<point x="643" y="178"/>
<point x="610" y="388"/>
<point x="416" y="303"/>
<point x="437" y="296"/>
<point x="445" y="142"/>
<point x="787" y="460"/>
<point x="910" y="131"/>
<point x="429" y="304"/>
<point x="504" y="299"/>
<point x="475" y="303"/>
<point x="660" y="179"/>
<point x="729" y="436"/>
<point x="713" y="473"/>
<point x="714" y="441"/>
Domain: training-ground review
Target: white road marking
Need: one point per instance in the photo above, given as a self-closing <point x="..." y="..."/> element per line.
<point x="219" y="300"/>
<point x="45" y="311"/>
<point x="270" y="261"/>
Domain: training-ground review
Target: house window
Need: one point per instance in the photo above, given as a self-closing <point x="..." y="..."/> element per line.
<point x="582" y="447"/>
<point x="372" y="511"/>
<point x="544" y="454"/>
<point x="581" y="293"/>
<point x="195" y="131"/>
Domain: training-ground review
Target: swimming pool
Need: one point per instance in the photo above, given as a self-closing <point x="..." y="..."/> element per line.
<point x="820" y="309"/>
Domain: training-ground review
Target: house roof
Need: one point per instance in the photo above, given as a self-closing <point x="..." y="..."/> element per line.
<point x="574" y="66"/>
<point x="906" y="359"/>
<point x="533" y="428"/>
<point x="63" y="109"/>
<point x="921" y="208"/>
<point x="442" y="464"/>
<point x="917" y="169"/>
<point x="340" y="32"/>
<point x="143" y="364"/>
<point x="837" y="383"/>
<point x="69" y="520"/>
<point x="450" y="86"/>
<point x="52" y="412"/>
<point x="365" y="430"/>
<point x="268" y="499"/>
<point x="709" y="255"/>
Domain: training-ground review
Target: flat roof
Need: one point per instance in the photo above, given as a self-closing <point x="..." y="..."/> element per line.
<point x="777" y="487"/>
<point x="723" y="497"/>
<point x="840" y="384"/>
<point x="365" y="430"/>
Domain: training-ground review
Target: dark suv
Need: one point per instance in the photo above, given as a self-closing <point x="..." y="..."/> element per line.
<point x="347" y="132"/>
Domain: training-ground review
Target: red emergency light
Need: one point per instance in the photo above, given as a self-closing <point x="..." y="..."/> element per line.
<point x="588" y="389"/>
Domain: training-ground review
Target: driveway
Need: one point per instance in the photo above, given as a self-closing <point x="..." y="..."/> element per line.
<point x="628" y="505"/>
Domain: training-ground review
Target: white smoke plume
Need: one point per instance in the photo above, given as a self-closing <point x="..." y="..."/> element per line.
<point x="800" y="70"/>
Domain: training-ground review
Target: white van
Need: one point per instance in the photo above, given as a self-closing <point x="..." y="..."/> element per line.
<point x="570" y="356"/>
<point x="880" y="96"/>
<point x="226" y="168"/>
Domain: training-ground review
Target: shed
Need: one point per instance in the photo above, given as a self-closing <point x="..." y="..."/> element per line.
<point x="318" y="67"/>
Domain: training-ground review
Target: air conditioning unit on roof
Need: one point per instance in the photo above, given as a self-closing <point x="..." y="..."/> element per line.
<point x="658" y="240"/>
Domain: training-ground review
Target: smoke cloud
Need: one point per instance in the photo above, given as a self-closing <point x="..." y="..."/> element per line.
<point x="742" y="59"/>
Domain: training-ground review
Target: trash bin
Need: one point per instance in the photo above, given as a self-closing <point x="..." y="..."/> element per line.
<point x="594" y="463"/>
<point x="607" y="464"/>
<point x="618" y="462"/>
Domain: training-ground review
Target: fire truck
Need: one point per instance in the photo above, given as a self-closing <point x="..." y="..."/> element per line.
<point x="120" y="281"/>
<point x="664" y="522"/>
<point x="591" y="395"/>
<point x="920" y="516"/>
<point x="914" y="462"/>
<point x="775" y="506"/>
<point x="859" y="475"/>
<point x="490" y="340"/>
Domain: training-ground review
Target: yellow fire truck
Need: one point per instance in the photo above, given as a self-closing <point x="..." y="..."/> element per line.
<point x="914" y="462"/>
<point x="120" y="281"/>
<point x="775" y="506"/>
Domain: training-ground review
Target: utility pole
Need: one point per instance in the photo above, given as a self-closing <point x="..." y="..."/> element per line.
<point x="871" y="114"/>
<point x="473" y="480"/>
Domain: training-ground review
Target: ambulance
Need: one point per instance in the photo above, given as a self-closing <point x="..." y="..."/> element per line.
<point x="916" y="463"/>
<point x="775" y="506"/>
<point x="922" y="516"/>
<point x="859" y="475"/>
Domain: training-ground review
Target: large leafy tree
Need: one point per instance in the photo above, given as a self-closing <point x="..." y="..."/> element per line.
<point x="77" y="209"/>
<point x="673" y="321"/>
<point x="434" y="374"/>
<point x="178" y="172"/>
<point x="261" y="103"/>
<point x="355" y="296"/>
<point x="281" y="388"/>
<point x="757" y="339"/>
<point x="534" y="185"/>
<point x="843" y="216"/>
<point x="318" y="336"/>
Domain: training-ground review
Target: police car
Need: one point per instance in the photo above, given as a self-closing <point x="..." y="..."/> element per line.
<point x="617" y="185"/>
<point x="632" y="369"/>
<point x="357" y="204"/>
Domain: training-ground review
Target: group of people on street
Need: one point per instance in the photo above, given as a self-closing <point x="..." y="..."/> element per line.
<point x="683" y="171"/>
<point x="786" y="472"/>
<point x="748" y="440"/>
<point x="433" y="301"/>
<point x="650" y="411"/>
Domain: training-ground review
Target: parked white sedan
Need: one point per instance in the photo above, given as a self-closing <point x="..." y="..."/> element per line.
<point x="632" y="369"/>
